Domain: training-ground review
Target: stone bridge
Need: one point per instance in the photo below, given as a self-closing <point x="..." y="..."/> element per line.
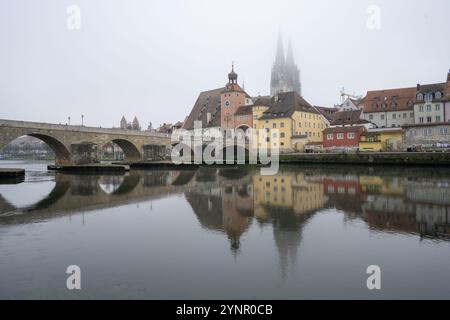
<point x="79" y="144"/>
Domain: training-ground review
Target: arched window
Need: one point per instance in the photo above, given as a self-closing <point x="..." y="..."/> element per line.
<point x="419" y="96"/>
<point x="438" y="95"/>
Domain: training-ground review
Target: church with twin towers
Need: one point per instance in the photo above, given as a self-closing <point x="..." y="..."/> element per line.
<point x="285" y="73"/>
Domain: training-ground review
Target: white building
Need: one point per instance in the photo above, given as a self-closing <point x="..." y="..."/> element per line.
<point x="390" y="108"/>
<point x="430" y="105"/>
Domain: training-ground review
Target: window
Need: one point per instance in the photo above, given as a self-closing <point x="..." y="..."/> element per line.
<point x="274" y="125"/>
<point x="274" y="135"/>
<point x="340" y="136"/>
<point x="420" y="97"/>
<point x="371" y="117"/>
<point x="382" y="117"/>
<point x="330" y="136"/>
<point x="282" y="135"/>
<point x="427" y="132"/>
<point x="438" y="95"/>
<point x="420" y="108"/>
<point x="429" y="107"/>
<point x="428" y="119"/>
<point x="282" y="143"/>
<point x="421" y="120"/>
<point x="282" y="125"/>
<point x="413" y="133"/>
<point x="394" y="116"/>
<point x="350" y="135"/>
<point x="438" y="107"/>
<point x="438" y="119"/>
<point x="411" y="115"/>
<point x="405" y="116"/>
<point x="444" y="131"/>
<point x="429" y="97"/>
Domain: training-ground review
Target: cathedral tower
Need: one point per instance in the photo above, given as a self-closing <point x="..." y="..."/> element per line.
<point x="285" y="73"/>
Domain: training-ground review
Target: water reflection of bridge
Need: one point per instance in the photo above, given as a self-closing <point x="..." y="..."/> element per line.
<point x="230" y="200"/>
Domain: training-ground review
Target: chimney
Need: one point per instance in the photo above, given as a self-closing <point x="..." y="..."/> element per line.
<point x="418" y="87"/>
<point x="448" y="76"/>
<point x="208" y="117"/>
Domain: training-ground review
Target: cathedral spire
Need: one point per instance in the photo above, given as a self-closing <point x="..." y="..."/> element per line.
<point x="279" y="61"/>
<point x="290" y="55"/>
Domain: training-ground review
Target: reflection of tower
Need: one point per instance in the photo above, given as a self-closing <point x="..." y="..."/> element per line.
<point x="287" y="242"/>
<point x="227" y="207"/>
<point x="287" y="233"/>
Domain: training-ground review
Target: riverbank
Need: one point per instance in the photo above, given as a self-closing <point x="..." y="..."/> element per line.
<point x="373" y="158"/>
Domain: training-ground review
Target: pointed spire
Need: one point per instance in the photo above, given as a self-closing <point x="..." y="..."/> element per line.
<point x="279" y="60"/>
<point x="290" y="55"/>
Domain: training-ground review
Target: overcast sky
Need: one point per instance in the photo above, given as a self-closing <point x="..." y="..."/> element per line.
<point x="152" y="58"/>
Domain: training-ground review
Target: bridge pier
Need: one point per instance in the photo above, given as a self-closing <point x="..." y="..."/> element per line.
<point x="84" y="153"/>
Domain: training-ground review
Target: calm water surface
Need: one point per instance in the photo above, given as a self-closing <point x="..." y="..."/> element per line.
<point x="309" y="232"/>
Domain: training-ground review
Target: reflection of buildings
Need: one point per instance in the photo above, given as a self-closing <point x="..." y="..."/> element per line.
<point x="394" y="203"/>
<point x="289" y="190"/>
<point x="227" y="206"/>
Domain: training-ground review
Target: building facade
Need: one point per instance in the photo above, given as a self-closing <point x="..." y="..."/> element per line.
<point x="342" y="138"/>
<point x="427" y="136"/>
<point x="390" y="108"/>
<point x="386" y="140"/>
<point x="290" y="122"/>
<point x="429" y="106"/>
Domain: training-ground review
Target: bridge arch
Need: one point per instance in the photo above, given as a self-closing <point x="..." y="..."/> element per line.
<point x="62" y="153"/>
<point x="130" y="150"/>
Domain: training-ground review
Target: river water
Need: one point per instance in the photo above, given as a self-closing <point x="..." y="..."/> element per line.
<point x="226" y="233"/>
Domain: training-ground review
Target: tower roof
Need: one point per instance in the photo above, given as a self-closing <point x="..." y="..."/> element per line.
<point x="279" y="60"/>
<point x="290" y="55"/>
<point x="232" y="76"/>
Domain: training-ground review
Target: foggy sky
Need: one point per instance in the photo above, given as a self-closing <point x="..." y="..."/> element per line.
<point x="152" y="58"/>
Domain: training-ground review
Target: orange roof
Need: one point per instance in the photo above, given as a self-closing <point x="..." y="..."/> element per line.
<point x="390" y="100"/>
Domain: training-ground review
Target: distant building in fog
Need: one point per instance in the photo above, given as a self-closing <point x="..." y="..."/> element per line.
<point x="130" y="125"/>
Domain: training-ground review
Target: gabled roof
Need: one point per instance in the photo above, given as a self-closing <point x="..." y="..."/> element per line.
<point x="207" y="102"/>
<point x="262" y="101"/>
<point x="347" y="118"/>
<point x="244" y="110"/>
<point x="344" y="129"/>
<point x="326" y="112"/>
<point x="285" y="104"/>
<point x="390" y="100"/>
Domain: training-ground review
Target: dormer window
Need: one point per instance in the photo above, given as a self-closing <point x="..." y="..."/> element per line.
<point x="420" y="97"/>
<point x="428" y="97"/>
<point x="438" y="95"/>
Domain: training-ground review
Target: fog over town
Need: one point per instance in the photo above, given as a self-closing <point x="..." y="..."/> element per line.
<point x="150" y="59"/>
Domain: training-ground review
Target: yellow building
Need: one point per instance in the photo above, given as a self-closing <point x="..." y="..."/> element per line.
<point x="289" y="120"/>
<point x="385" y="139"/>
<point x="288" y="191"/>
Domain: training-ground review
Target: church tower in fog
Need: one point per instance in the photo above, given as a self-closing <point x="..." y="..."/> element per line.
<point x="285" y="73"/>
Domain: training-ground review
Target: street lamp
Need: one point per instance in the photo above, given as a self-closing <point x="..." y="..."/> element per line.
<point x="82" y="120"/>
